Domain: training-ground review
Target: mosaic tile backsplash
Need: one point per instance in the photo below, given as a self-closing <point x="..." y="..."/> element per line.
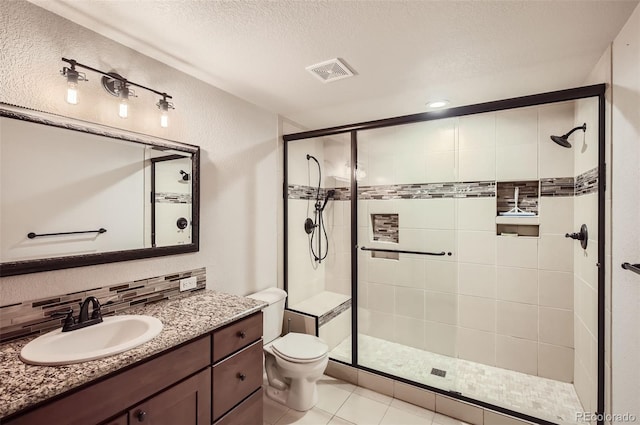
<point x="385" y="227"/>
<point x="34" y="317"/>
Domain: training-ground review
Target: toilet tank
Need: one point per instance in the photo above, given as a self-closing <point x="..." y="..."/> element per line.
<point x="273" y="313"/>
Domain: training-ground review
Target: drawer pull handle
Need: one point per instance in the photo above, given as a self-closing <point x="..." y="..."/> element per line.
<point x="242" y="376"/>
<point x="242" y="334"/>
<point x="141" y="415"/>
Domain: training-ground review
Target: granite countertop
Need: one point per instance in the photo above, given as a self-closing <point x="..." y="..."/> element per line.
<point x="22" y="385"/>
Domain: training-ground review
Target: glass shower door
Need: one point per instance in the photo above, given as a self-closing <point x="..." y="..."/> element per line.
<point x="407" y="275"/>
<point x="318" y="240"/>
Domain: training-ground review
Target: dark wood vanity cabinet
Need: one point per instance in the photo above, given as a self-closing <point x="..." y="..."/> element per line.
<point x="185" y="385"/>
<point x="237" y="371"/>
<point x="185" y="403"/>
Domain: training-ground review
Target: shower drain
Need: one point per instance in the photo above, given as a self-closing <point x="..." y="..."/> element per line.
<point x="438" y="372"/>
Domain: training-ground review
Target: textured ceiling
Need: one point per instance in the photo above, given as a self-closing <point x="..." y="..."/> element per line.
<point x="404" y="53"/>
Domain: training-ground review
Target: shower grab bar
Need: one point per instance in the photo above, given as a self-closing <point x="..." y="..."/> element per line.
<point x="631" y="267"/>
<point x="34" y="235"/>
<point x="399" y="251"/>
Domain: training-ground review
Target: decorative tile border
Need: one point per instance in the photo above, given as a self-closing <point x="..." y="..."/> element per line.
<point x="295" y="191"/>
<point x="385" y="227"/>
<point x="173" y="198"/>
<point x="34" y="317"/>
<point x="557" y="186"/>
<point x="402" y="191"/>
<point x="429" y="190"/>
<point x="309" y="193"/>
<point x="587" y="182"/>
<point x="334" y="312"/>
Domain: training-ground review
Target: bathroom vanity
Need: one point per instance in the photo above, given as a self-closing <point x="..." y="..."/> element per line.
<point x="205" y="367"/>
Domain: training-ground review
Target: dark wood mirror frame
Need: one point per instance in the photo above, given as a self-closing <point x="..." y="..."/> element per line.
<point x="13" y="268"/>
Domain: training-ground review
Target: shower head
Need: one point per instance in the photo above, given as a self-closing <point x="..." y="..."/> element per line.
<point x="564" y="140"/>
<point x="330" y="194"/>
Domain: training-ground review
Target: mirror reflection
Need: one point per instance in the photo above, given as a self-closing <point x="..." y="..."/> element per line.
<point x="70" y="189"/>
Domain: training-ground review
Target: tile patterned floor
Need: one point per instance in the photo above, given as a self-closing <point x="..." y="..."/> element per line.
<point x="341" y="403"/>
<point x="539" y="397"/>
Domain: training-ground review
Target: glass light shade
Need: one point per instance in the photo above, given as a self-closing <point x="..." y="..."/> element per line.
<point x="123" y="111"/>
<point x="164" y="119"/>
<point x="72" y="93"/>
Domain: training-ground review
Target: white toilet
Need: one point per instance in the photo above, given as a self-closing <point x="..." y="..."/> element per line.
<point x="293" y="362"/>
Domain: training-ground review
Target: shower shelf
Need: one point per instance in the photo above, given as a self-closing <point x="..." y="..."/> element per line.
<point x="525" y="220"/>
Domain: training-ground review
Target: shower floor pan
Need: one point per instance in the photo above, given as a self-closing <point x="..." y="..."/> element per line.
<point x="539" y="397"/>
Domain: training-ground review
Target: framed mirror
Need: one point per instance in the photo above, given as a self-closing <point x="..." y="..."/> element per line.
<point x="75" y="194"/>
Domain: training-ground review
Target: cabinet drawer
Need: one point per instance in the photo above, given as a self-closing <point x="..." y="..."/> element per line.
<point x="236" y="336"/>
<point x="249" y="412"/>
<point x="236" y="377"/>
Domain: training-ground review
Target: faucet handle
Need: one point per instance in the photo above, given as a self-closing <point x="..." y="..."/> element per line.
<point x="97" y="311"/>
<point x="69" y="320"/>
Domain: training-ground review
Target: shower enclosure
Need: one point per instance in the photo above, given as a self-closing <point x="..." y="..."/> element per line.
<point x="451" y="261"/>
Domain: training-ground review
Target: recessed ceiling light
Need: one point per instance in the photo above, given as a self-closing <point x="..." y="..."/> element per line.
<point x="438" y="103"/>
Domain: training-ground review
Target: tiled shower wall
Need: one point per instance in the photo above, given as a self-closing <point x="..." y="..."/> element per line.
<point x="307" y="278"/>
<point x="498" y="300"/>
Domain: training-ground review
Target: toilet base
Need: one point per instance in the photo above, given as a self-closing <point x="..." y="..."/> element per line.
<point x="291" y="400"/>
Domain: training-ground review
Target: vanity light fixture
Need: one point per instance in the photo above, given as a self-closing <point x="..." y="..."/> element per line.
<point x="164" y="105"/>
<point x="73" y="76"/>
<point x="116" y="85"/>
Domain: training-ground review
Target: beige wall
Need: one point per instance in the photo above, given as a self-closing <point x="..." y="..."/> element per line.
<point x="239" y="189"/>
<point x="625" y="291"/>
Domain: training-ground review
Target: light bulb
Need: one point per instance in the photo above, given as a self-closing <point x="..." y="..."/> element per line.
<point x="123" y="110"/>
<point x="72" y="94"/>
<point x="164" y="106"/>
<point x="164" y="119"/>
<point x="72" y="85"/>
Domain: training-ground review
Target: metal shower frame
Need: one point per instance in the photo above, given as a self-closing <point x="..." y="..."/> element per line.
<point x="584" y="92"/>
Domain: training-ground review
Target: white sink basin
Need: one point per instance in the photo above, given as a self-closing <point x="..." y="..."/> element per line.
<point x="114" y="335"/>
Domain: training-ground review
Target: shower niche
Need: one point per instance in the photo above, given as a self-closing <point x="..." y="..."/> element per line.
<point x="517" y="205"/>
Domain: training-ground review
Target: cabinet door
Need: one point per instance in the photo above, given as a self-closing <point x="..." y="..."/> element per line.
<point x="187" y="403"/>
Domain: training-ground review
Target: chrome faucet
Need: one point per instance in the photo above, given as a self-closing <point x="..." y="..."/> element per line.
<point x="71" y="324"/>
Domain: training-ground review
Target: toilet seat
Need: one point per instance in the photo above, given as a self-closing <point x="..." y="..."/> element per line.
<point x="300" y="348"/>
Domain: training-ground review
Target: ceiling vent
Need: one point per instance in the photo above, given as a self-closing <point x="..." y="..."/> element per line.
<point x="331" y="70"/>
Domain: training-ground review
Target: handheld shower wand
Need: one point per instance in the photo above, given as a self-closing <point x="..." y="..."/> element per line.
<point x="317" y="224"/>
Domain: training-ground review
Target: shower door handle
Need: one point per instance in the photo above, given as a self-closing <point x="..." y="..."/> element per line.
<point x="631" y="267"/>
<point x="399" y="251"/>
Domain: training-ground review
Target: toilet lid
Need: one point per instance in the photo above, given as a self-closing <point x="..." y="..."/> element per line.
<point x="300" y="348"/>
